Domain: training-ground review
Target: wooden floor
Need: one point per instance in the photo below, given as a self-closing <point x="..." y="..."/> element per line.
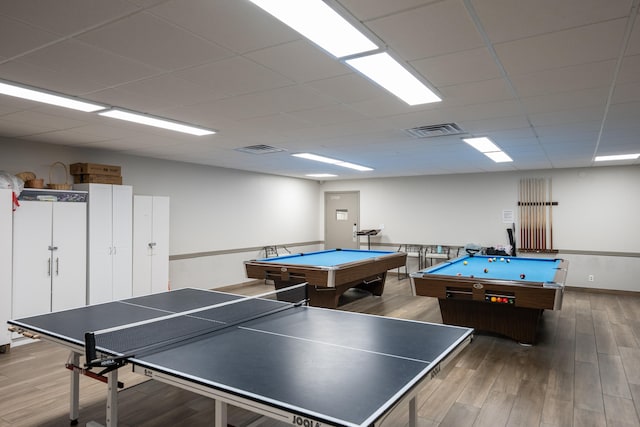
<point x="585" y="371"/>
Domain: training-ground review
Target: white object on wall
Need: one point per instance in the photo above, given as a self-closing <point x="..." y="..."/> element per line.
<point x="109" y="274"/>
<point x="49" y="257"/>
<point x="150" y="244"/>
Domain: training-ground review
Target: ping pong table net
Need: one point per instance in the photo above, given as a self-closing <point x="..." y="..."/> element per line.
<point x="112" y="348"/>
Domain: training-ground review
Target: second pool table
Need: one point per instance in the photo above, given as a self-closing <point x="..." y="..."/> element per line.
<point x="329" y="273"/>
<point x="504" y="295"/>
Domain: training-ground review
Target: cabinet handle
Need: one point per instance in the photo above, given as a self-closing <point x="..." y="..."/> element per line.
<point x="152" y="244"/>
<point x="114" y="250"/>
<point x="49" y="267"/>
<point x="57" y="266"/>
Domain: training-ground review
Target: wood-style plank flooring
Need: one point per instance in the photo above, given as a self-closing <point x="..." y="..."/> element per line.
<point x="585" y="371"/>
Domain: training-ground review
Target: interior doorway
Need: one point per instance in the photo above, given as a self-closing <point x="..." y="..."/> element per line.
<point x="341" y="219"/>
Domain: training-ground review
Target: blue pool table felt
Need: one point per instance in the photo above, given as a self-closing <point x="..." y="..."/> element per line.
<point x="535" y="269"/>
<point x="328" y="258"/>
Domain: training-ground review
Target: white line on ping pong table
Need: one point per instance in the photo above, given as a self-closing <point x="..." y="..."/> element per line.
<point x="195" y="310"/>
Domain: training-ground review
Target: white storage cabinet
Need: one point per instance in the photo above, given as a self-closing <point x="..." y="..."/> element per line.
<point x="49" y="257"/>
<point x="150" y="244"/>
<point x="6" y="230"/>
<point x="109" y="271"/>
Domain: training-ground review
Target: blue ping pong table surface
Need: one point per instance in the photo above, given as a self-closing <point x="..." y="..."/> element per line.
<point x="330" y="366"/>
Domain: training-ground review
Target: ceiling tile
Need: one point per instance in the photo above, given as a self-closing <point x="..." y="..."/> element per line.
<point x="237" y="25"/>
<point x="17" y="37"/>
<point x="583" y="45"/>
<point x="72" y="17"/>
<point x="300" y="61"/>
<point x="506" y="20"/>
<point x="146" y="39"/>
<point x="567" y="79"/>
<point x="459" y="67"/>
<point x="234" y="76"/>
<point x="79" y="60"/>
<point x="435" y="29"/>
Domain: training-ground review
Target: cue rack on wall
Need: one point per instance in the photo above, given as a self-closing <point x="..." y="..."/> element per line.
<point x="535" y="208"/>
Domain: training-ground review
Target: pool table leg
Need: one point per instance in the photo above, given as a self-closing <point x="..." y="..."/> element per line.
<point x="374" y="284"/>
<point x="320" y="296"/>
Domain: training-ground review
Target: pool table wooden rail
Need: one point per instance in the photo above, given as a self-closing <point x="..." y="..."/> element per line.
<point x="327" y="283"/>
<point x="526" y="294"/>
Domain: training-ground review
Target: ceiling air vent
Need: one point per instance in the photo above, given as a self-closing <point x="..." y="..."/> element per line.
<point x="259" y="149"/>
<point x="431" y="131"/>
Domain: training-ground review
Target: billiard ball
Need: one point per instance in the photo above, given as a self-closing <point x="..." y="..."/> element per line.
<point x="522" y="276"/>
<point x="501" y="259"/>
<point x="493" y="299"/>
<point x="490" y="259"/>
<point x="486" y="270"/>
<point x="508" y="260"/>
<point x="465" y="263"/>
<point x="471" y="276"/>
<point x="458" y="274"/>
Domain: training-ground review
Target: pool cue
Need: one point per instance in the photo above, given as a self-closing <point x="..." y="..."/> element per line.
<point x="542" y="226"/>
<point x="525" y="243"/>
<point x="534" y="198"/>
<point x="520" y="209"/>
<point x="550" y="215"/>
<point x="537" y="213"/>
<point x="530" y="209"/>
<point x="533" y="214"/>
<point x="546" y="199"/>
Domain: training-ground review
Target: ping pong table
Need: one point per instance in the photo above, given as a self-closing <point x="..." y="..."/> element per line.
<point x="302" y="365"/>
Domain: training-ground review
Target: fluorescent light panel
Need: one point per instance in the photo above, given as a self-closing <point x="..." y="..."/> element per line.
<point x="318" y="22"/>
<point x="47" y="97"/>
<point x="145" y="119"/>
<point x="388" y="73"/>
<point x="482" y="144"/>
<point x="617" y="157"/>
<point x="317" y="158"/>
<point x="489" y="149"/>
<point x="321" y="175"/>
<point x="498" y="156"/>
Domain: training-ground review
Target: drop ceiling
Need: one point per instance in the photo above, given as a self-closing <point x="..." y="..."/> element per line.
<point x="552" y="82"/>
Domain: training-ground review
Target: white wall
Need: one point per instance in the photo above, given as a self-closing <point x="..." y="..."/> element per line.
<point x="595" y="225"/>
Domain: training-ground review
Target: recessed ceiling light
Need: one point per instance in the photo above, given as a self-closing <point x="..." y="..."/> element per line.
<point x="482" y="144"/>
<point x="321" y="24"/>
<point x="48" y="97"/>
<point x="145" y="119"/>
<point x="321" y="175"/>
<point x="499" y="156"/>
<point x="617" y="157"/>
<point x="317" y="158"/>
<point x="388" y="73"/>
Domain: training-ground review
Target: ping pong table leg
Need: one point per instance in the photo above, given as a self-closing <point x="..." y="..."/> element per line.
<point x="220" y="416"/>
<point x="413" y="413"/>
<point x="74" y="396"/>
<point x="112" y="399"/>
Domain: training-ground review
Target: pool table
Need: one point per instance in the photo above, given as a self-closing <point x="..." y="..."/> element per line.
<point x="328" y="273"/>
<point x="502" y="295"/>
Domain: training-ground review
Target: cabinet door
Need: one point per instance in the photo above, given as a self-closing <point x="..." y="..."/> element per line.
<point x="6" y="257"/>
<point x="160" y="253"/>
<point x="122" y="218"/>
<point x="32" y="263"/>
<point x="69" y="278"/>
<point x="100" y="275"/>
<point x="142" y="237"/>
